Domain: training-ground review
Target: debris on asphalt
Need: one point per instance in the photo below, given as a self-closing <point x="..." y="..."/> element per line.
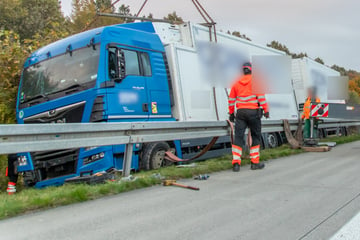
<point x="202" y="177"/>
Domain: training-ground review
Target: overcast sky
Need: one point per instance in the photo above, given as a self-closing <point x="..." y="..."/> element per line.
<point x="329" y="29"/>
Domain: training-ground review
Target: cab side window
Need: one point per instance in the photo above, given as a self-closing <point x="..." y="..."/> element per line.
<point x="124" y="62"/>
<point x="145" y="63"/>
<point x="131" y="62"/>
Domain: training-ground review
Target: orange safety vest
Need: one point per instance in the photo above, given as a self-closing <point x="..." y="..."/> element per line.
<point x="306" y="111"/>
<point x="242" y="97"/>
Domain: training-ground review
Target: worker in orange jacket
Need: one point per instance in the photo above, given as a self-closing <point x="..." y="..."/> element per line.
<point x="249" y="109"/>
<point x="306" y="115"/>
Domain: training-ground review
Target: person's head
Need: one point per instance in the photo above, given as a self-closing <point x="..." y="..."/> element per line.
<point x="311" y="92"/>
<point x="247" y="68"/>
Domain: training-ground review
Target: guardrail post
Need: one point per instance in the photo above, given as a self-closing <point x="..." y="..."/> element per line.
<point x="127" y="159"/>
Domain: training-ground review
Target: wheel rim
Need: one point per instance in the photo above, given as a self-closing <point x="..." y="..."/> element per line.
<point x="159" y="158"/>
<point x="272" y="141"/>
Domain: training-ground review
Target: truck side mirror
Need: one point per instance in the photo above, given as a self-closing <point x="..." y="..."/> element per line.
<point x="116" y="64"/>
<point x="121" y="64"/>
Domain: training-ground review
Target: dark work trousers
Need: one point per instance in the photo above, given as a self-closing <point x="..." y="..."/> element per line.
<point x="247" y="118"/>
<point x="13" y="177"/>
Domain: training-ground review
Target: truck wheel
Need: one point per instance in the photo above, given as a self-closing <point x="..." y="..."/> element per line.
<point x="153" y="156"/>
<point x="272" y="140"/>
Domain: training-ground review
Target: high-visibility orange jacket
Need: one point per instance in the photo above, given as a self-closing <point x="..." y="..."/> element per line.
<point x="242" y="97"/>
<point x="306" y="112"/>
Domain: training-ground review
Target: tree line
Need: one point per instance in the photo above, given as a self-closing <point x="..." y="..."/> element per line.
<point x="27" y="25"/>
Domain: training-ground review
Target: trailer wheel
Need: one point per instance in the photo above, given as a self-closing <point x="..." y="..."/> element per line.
<point x="153" y="155"/>
<point x="272" y="140"/>
<point x="320" y="133"/>
<point x="343" y="131"/>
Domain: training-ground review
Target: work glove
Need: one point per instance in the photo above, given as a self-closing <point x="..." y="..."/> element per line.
<point x="232" y="117"/>
<point x="267" y="115"/>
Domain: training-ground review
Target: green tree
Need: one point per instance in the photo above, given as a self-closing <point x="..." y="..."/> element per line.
<point x="12" y="54"/>
<point x="282" y="47"/>
<point x="84" y="17"/>
<point x="342" y="70"/>
<point x="279" y="46"/>
<point x="174" y="18"/>
<point x="354" y="97"/>
<point x="30" y="17"/>
<point x="298" y="55"/>
<point x="319" y="60"/>
<point x="124" y="10"/>
<point x="238" y="34"/>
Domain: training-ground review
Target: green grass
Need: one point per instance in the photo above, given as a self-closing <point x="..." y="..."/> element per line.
<point x="27" y="200"/>
<point x="35" y="199"/>
<point x="342" y="140"/>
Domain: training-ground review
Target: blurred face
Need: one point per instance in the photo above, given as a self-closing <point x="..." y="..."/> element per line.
<point x="310" y="92"/>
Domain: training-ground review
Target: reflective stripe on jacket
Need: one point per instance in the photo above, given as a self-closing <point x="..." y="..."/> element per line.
<point x="242" y="97"/>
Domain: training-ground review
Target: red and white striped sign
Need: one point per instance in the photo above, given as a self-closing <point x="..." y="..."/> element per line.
<point x="319" y="110"/>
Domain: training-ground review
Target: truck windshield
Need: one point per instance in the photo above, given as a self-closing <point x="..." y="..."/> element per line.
<point x="73" y="72"/>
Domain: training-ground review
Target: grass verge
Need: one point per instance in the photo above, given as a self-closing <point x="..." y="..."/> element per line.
<point x="34" y="199"/>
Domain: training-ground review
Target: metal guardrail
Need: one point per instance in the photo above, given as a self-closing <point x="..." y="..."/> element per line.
<point x="44" y="137"/>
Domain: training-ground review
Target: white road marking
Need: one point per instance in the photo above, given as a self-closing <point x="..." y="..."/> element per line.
<point x="351" y="230"/>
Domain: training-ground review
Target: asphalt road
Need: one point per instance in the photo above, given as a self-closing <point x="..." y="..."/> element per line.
<point x="307" y="196"/>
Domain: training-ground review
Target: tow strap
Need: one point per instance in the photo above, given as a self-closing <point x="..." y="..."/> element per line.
<point x="290" y="138"/>
<point x="173" y="158"/>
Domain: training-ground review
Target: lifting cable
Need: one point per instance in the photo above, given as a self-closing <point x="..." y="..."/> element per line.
<point x="210" y="23"/>
<point x="141" y="8"/>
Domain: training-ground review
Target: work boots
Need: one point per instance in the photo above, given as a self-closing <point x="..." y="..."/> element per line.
<point x="236" y="167"/>
<point x="255" y="166"/>
<point x="11" y="188"/>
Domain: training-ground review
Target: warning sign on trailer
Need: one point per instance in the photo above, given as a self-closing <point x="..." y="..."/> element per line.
<point x="319" y="110"/>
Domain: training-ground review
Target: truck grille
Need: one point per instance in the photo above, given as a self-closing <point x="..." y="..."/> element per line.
<point x="69" y="114"/>
<point x="51" y="164"/>
<point x="55" y="163"/>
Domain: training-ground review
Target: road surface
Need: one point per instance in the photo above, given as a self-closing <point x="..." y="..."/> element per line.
<point x="306" y="196"/>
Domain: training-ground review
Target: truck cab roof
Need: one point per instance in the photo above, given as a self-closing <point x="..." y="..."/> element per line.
<point x="140" y="34"/>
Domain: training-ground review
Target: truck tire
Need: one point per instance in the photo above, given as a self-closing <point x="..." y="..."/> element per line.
<point x="153" y="155"/>
<point x="272" y="140"/>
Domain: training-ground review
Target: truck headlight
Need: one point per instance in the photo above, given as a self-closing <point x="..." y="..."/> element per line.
<point x="94" y="158"/>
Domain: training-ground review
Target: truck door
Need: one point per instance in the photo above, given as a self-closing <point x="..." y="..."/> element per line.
<point x="158" y="81"/>
<point x="128" y="98"/>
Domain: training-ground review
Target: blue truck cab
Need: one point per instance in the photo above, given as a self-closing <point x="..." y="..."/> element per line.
<point x="115" y="73"/>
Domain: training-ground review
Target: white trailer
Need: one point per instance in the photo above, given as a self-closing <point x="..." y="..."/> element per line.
<point x="308" y="73"/>
<point x="196" y="97"/>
